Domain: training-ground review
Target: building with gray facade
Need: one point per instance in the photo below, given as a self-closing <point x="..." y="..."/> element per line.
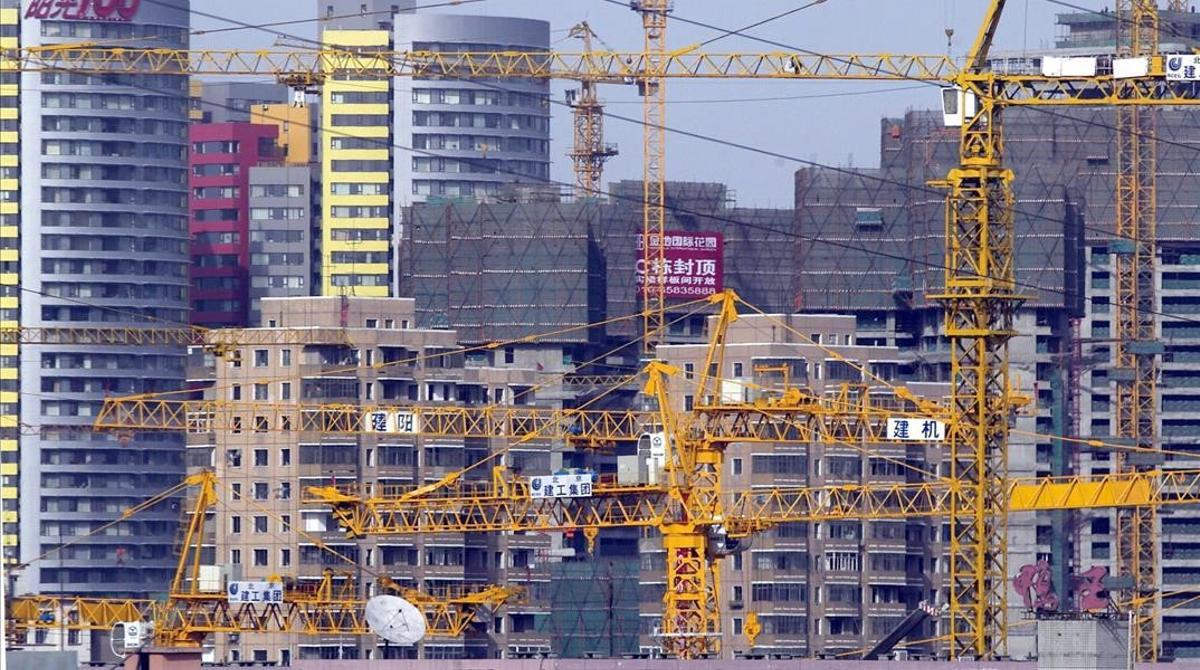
<point x="281" y="234"/>
<point x="104" y="242"/>
<point x="232" y="101"/>
<point x="470" y="137"/>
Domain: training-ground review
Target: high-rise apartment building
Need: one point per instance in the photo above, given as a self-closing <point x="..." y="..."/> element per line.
<point x="264" y="530"/>
<point x="383" y="147"/>
<point x="469" y="138"/>
<point x="819" y="588"/>
<point x="356" y="176"/>
<point x="103" y="242"/>
<point x="10" y="279"/>
<point x="222" y="155"/>
<point x="280" y="231"/>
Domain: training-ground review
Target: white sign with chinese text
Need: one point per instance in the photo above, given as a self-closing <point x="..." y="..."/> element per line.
<point x="1183" y="67"/>
<point x="382" y="421"/>
<point x="572" y="485"/>
<point x="916" y="430"/>
<point x="254" y="592"/>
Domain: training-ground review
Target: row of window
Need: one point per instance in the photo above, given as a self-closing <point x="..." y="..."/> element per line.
<point x="113" y="196"/>
<point x="273" y="236"/>
<point x="278" y="213"/>
<point x="450" y="142"/>
<point x="527" y="122"/>
<point x="114" y="149"/>
<point x="359" y="257"/>
<point x="277" y="191"/>
<point x="77" y="219"/>
<point x="114" y="101"/>
<point x="74" y="266"/>
<point x="123" y="126"/>
<point x="114" y="30"/>
<point x="97" y="172"/>
<point x="361" y="165"/>
<point x="216" y="192"/>
<point x="358" y="234"/>
<point x="452" y="96"/>
<point x="156" y="245"/>
<point x="282" y="281"/>
<point x="114" y="290"/>
<point x="159" y="82"/>
<point x="360" y="97"/>
<point x="344" y="188"/>
<point x="364" y="212"/>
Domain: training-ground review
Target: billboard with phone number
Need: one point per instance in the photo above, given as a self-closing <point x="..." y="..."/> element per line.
<point x="692" y="267"/>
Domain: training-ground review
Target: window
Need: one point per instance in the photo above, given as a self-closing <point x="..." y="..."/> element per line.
<point x="261" y="490"/>
<point x="285" y="456"/>
<point x="509" y="355"/>
<point x="260" y="524"/>
<point x="689" y="370"/>
<point x="285" y="390"/>
<point x="285" y="557"/>
<point x="285" y="523"/>
<point x="262" y="358"/>
<point x="233" y="457"/>
<point x="285" y="357"/>
<point x="236" y="490"/>
<point x="261" y="458"/>
<point x="260" y="557"/>
<point x="285" y="491"/>
<point x="737" y="466"/>
<point x="235" y="524"/>
<point x="235" y="556"/>
<point x="262" y="392"/>
<point x="737" y="369"/>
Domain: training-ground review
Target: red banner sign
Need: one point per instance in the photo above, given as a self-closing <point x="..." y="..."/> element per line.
<point x="693" y="264"/>
<point x="83" y="10"/>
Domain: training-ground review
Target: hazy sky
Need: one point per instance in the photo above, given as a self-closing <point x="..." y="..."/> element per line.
<point x="839" y="126"/>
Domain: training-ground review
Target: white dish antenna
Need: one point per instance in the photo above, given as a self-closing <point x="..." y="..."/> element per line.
<point x="395" y="620"/>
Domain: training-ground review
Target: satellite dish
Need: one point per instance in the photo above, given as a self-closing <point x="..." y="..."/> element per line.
<point x="395" y="620"/>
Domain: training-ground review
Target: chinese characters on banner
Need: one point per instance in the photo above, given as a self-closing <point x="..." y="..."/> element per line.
<point x="571" y="485"/>
<point x="255" y="592"/>
<point x="693" y="264"/>
<point x="1183" y="67"/>
<point x="381" y="421"/>
<point x="916" y="430"/>
<point x="83" y="10"/>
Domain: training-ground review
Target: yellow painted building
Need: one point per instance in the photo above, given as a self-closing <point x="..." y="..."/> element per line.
<point x="10" y="295"/>
<point x="295" y="129"/>
<point x="356" y="177"/>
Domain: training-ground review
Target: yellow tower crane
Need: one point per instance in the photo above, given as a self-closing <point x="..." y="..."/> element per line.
<point x="590" y="151"/>
<point x="687" y="505"/>
<point x="195" y="609"/>
<point x="979" y="293"/>
<point x="1135" y="363"/>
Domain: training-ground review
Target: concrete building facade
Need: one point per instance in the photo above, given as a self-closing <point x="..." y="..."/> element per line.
<point x="264" y="530"/>
<point x="470" y="138"/>
<point x="356" y="177"/>
<point x="280" y="233"/>
<point x="103" y="241"/>
<point x="10" y="281"/>
<point x="222" y="155"/>
<point x="824" y="588"/>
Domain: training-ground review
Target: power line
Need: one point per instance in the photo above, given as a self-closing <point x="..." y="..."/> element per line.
<point x="713" y="216"/>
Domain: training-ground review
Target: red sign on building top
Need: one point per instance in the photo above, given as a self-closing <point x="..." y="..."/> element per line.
<point x="83" y="10"/>
<point x="693" y="264"/>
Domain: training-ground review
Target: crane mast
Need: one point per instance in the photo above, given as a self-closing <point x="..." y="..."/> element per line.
<point x="979" y="298"/>
<point x="1135" y="366"/>
<point x="653" y="90"/>
<point x="590" y="151"/>
<point x="980" y="302"/>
